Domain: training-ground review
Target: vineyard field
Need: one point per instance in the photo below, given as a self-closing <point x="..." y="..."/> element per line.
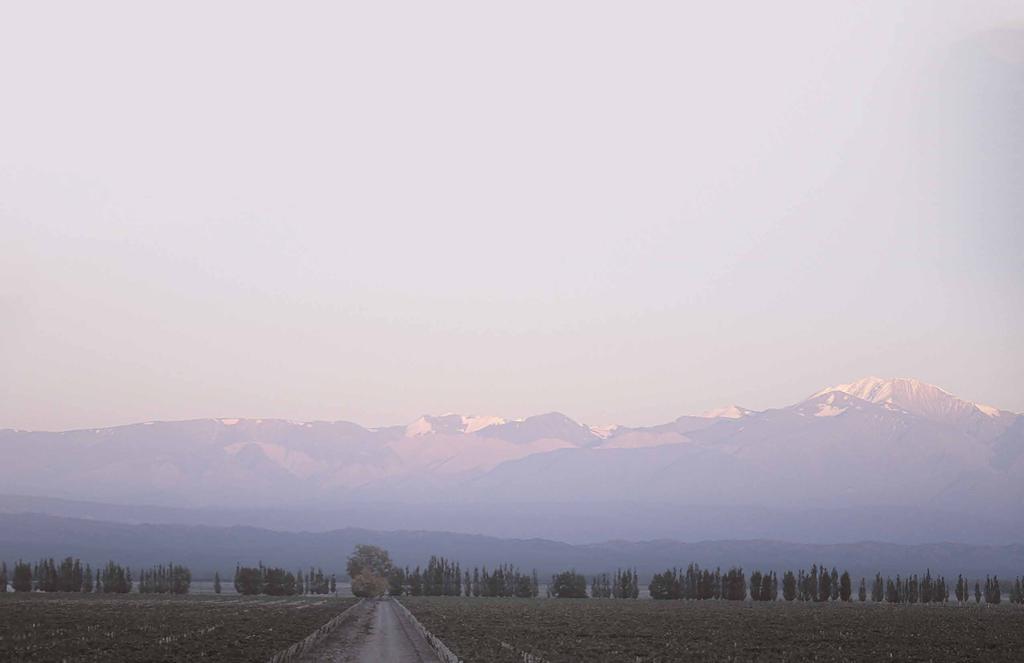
<point x="134" y="627"/>
<point x="598" y="630"/>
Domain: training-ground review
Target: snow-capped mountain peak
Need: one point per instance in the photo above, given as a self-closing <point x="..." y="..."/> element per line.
<point x="450" y="424"/>
<point x="473" y="423"/>
<point x="604" y="432"/>
<point x="912" y="395"/>
<point x="727" y="412"/>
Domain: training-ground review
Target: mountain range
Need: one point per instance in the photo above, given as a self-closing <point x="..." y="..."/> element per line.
<point x="900" y="446"/>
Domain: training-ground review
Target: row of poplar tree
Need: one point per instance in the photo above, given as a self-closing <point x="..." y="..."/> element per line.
<point x="818" y="584"/>
<point x="276" y="581"/>
<point x="170" y="579"/>
<point x="442" y="577"/>
<point x="703" y="584"/>
<point x="70" y="575"/>
<point x="622" y="585"/>
<point x="991" y="593"/>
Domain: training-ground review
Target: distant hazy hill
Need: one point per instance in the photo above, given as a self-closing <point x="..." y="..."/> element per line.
<point x="873" y="458"/>
<point x="205" y="549"/>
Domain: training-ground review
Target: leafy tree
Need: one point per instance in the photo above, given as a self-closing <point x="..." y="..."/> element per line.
<point x="368" y="567"/>
<point x="279" y="582"/>
<point x="115" y="579"/>
<point x="734" y="585"/>
<point x="368" y="583"/>
<point x="568" y="585"/>
<point x="374" y="558"/>
<point x="664" y="586"/>
<point x="249" y="580"/>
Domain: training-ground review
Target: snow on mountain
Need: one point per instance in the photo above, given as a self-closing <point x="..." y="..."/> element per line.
<point x="474" y="423"/>
<point x="835" y="450"/>
<point x="848" y="444"/>
<point x="914" y="396"/>
<point x="727" y="412"/>
<point x="604" y="432"/>
<point x="830" y="404"/>
<point x="450" y="424"/>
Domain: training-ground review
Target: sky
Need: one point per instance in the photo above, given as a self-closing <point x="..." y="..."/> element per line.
<point x="621" y="211"/>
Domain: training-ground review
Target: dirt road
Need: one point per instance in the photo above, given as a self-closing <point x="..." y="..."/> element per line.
<point x="376" y="632"/>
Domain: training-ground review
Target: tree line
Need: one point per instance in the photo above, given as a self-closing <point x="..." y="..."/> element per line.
<point x="276" y="581"/>
<point x="442" y="577"/>
<point x="992" y="593"/>
<point x="69" y="575"/>
<point x="817" y="584"/>
<point x="170" y="579"/>
<point x="623" y="585"/>
<point x="703" y="584"/>
<point x="373" y="574"/>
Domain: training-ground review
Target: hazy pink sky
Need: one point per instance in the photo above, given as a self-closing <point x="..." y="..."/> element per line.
<point x="621" y="211"/>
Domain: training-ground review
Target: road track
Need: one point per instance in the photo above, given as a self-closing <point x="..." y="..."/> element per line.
<point x="376" y="632"/>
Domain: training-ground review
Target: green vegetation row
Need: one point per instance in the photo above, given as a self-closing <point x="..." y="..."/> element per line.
<point x="70" y="575"/>
<point x="275" y="581"/>
<point x="373" y="574"/>
<point x="819" y="585"/>
<point x="443" y="578"/>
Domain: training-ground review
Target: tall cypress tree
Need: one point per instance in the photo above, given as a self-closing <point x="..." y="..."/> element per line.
<point x="788" y="586"/>
<point x="22" y="577"/>
<point x="845" y="588"/>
